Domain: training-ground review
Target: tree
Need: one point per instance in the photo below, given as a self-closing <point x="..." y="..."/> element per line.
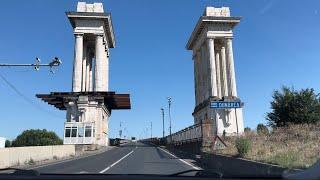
<point x="293" y="107"/>
<point x="36" y="137"/>
<point x="8" y="143"/>
<point x="262" y="129"/>
<point x="247" y="129"/>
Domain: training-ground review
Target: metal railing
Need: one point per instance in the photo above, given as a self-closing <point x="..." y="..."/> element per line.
<point x="190" y="133"/>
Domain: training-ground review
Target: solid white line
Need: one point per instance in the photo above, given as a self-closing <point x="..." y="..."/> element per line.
<point x="193" y="166"/>
<point x="106" y="169"/>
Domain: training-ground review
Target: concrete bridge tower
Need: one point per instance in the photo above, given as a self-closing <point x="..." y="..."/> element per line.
<point x="90" y="102"/>
<point x="214" y="73"/>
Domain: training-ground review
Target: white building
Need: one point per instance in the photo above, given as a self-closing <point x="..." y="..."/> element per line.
<point x="2" y="142"/>
<point x="214" y="73"/>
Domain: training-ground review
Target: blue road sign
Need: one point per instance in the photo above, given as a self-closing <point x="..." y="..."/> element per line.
<point x="225" y="104"/>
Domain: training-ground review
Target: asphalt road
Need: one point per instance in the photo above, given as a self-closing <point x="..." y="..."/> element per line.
<point x="132" y="158"/>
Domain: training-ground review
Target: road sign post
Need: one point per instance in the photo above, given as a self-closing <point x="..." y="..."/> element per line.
<point x="227" y="105"/>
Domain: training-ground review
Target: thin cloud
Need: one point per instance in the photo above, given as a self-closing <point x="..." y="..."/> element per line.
<point x="267" y="7"/>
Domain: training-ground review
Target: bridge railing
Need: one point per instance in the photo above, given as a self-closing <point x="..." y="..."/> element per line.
<point x="190" y="133"/>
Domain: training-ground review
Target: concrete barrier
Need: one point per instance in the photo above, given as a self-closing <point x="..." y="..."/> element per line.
<point x="236" y="167"/>
<point x="26" y="155"/>
<point x="229" y="166"/>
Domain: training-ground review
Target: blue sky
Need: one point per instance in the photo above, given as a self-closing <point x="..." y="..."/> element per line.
<point x="276" y="43"/>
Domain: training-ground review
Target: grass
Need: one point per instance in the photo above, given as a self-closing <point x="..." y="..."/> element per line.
<point x="295" y="146"/>
<point x="31" y="162"/>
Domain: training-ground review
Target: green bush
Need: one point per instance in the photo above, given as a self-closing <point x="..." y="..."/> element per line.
<point x="247" y="129"/>
<point x="262" y="129"/>
<point x="8" y="143"/>
<point x="243" y="146"/>
<point x="30" y="162"/>
<point x="36" y="137"/>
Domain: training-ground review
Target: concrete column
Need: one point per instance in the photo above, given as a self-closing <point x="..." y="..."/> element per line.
<point x="90" y="75"/>
<point x="232" y="76"/>
<point x="194" y="58"/>
<point x="105" y="71"/>
<point x="106" y="88"/>
<point x="218" y="73"/>
<point x="99" y="51"/>
<point x="212" y="66"/>
<point x="200" y="76"/>
<point x="84" y="69"/>
<point x="88" y="71"/>
<point x="204" y="80"/>
<point x="77" y="65"/>
<point x="91" y="69"/>
<point x="224" y="72"/>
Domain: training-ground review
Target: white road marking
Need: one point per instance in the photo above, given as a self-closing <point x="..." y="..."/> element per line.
<point x="106" y="169"/>
<point x="189" y="164"/>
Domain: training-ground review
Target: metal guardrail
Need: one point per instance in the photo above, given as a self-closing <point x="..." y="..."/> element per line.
<point x="190" y="133"/>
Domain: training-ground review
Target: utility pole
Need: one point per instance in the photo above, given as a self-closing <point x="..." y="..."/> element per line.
<point x="151" y="129"/>
<point x="120" y="131"/>
<point x="162" y="112"/>
<point x="169" y="102"/>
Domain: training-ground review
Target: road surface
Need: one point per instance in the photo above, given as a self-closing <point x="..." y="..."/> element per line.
<point x="132" y="158"/>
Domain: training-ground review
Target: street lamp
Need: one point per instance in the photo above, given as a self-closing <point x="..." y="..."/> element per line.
<point x="162" y="112"/>
<point x="151" y="129"/>
<point x="169" y="102"/>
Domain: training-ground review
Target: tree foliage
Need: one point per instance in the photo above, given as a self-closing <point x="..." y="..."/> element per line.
<point x="8" y="143"/>
<point x="262" y="129"/>
<point x="247" y="129"/>
<point x="36" y="137"/>
<point x="290" y="106"/>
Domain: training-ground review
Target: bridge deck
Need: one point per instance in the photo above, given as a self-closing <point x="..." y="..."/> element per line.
<point x="111" y="99"/>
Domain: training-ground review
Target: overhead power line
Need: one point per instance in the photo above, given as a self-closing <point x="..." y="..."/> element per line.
<point x="25" y="98"/>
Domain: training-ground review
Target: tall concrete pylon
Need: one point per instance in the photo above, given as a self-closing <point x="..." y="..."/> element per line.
<point x="214" y="71"/>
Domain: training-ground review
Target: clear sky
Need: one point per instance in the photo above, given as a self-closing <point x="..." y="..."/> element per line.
<point x="276" y="43"/>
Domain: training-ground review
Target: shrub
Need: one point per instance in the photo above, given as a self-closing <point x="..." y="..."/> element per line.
<point x="243" y="146"/>
<point x="247" y="129"/>
<point x="31" y="162"/>
<point x="36" y="137"/>
<point x="262" y="129"/>
<point x="8" y="143"/>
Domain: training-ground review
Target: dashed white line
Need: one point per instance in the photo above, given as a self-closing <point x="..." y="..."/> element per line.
<point x="189" y="164"/>
<point x="106" y="169"/>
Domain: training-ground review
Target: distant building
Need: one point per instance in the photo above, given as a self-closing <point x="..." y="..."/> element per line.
<point x="2" y="142"/>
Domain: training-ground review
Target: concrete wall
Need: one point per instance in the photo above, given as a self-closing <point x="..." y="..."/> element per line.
<point x="229" y="166"/>
<point x="21" y="155"/>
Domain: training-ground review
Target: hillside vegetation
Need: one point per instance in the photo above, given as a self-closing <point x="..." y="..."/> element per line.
<point x="293" y="146"/>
